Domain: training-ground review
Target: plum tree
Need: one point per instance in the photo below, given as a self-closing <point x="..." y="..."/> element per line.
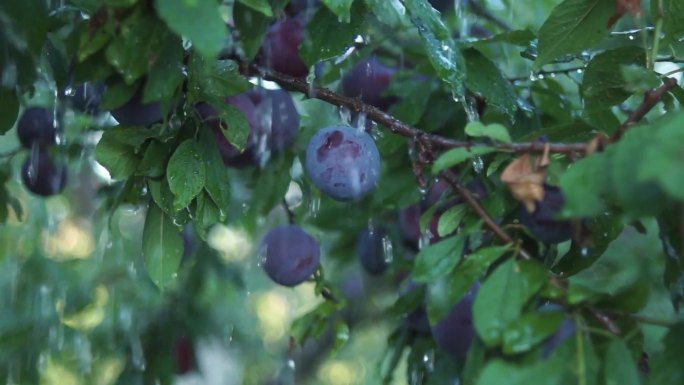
<point x="455" y="332"/>
<point x="42" y="176"/>
<point x="87" y="97"/>
<point x="343" y="162"/>
<point x="37" y="127"/>
<point x="368" y="80"/>
<point x="280" y="49"/>
<point x="371" y="247"/>
<point x="289" y="255"/>
<point x="136" y="113"/>
<point x="543" y="222"/>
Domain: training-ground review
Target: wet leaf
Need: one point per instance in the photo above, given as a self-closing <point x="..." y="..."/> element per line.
<point x="437" y="260"/>
<point x="186" y="173"/>
<point x="162" y="247"/>
<point x="198" y="20"/>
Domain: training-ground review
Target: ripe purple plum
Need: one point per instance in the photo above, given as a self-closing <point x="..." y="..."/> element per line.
<point x="136" y="113"/>
<point x="37" y="127"/>
<point x="368" y="80"/>
<point x="302" y="5"/>
<point x="542" y="223"/>
<point x="289" y="255"/>
<point x="371" y="250"/>
<point x="417" y="320"/>
<point x="343" y="162"/>
<point x="281" y="47"/>
<point x="42" y="176"/>
<point x="87" y="97"/>
<point x="455" y="332"/>
<point x="278" y="120"/>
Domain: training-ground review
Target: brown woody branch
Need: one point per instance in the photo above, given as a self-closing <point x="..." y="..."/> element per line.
<point x="651" y="98"/>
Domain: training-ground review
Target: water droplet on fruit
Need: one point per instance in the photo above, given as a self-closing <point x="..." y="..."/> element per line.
<point x="584" y="251"/>
<point x="388" y="254"/>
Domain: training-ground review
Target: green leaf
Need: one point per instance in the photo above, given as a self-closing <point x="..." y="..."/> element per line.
<point x="253" y="26"/>
<point x="206" y="214"/>
<point x="166" y="74"/>
<point x="639" y="197"/>
<point x="603" y="229"/>
<point x="493" y="131"/>
<point x="117" y="156"/>
<point x="603" y="84"/>
<point x="339" y="8"/>
<point x="673" y="19"/>
<point x="259" y="5"/>
<point x="530" y="329"/>
<point x="341" y="335"/>
<point x="503" y="295"/>
<point x="573" y="26"/>
<point x="450" y="219"/>
<point x="136" y="48"/>
<point x="153" y="163"/>
<point x="437" y="260"/>
<point x="218" y="182"/>
<point x="439" y="46"/>
<point x="215" y="79"/>
<point x="458" y="155"/>
<point x="234" y="125"/>
<point x="619" y="366"/>
<point x="163" y="197"/>
<point x="9" y="109"/>
<point x="498" y="372"/>
<point x="667" y="366"/>
<point x="486" y="80"/>
<point x="162" y="247"/>
<point x="664" y="154"/>
<point x="326" y="38"/>
<point x="197" y="20"/>
<point x="186" y="173"/>
<point x="639" y="79"/>
<point x="520" y="38"/>
<point x="585" y="187"/>
<point x="448" y="291"/>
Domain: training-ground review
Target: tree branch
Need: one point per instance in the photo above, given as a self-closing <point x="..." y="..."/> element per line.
<point x="651" y="98"/>
<point x="400" y="128"/>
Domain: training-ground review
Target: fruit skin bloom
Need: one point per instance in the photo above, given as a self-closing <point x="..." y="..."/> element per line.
<point x="343" y="162"/>
<point x="289" y="255"/>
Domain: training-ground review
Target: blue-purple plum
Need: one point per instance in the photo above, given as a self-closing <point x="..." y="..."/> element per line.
<point x="370" y="249"/>
<point x="409" y="223"/>
<point x="303" y="5"/>
<point x="454" y="334"/>
<point x="289" y="255"/>
<point x="277" y="122"/>
<point x="343" y="162"/>
<point x="136" y="113"/>
<point x="280" y="49"/>
<point x="87" y="97"/>
<point x="36" y="126"/>
<point x="416" y="320"/>
<point x="368" y="80"/>
<point x="42" y="176"/>
<point x="542" y="222"/>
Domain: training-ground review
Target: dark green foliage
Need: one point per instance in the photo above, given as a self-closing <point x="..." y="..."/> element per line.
<point x="169" y="213"/>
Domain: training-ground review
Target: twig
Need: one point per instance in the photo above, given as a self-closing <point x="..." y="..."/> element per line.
<point x="605" y="320"/>
<point x="400" y="128"/>
<point x="290" y="214"/>
<point x="651" y="98"/>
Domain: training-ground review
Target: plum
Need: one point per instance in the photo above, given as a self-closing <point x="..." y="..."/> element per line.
<point x="87" y="97"/>
<point x="343" y="162"/>
<point x="566" y="330"/>
<point x="455" y="332"/>
<point x="370" y="249"/>
<point x="278" y="121"/>
<point x="409" y="223"/>
<point x="36" y="126"/>
<point x="368" y="80"/>
<point x="417" y="320"/>
<point x="289" y="255"/>
<point x="42" y="176"/>
<point x="136" y="113"/>
<point x="280" y="49"/>
<point x="542" y="222"/>
<point x="303" y="5"/>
